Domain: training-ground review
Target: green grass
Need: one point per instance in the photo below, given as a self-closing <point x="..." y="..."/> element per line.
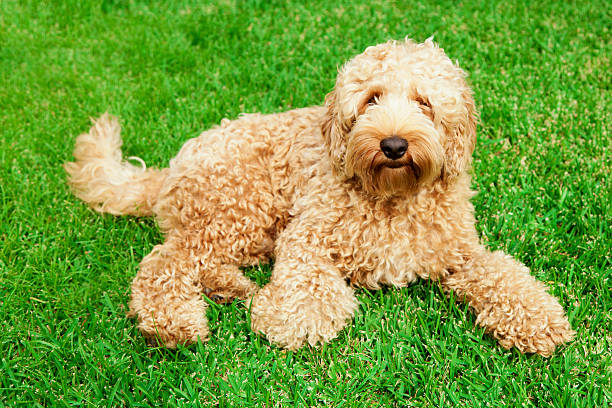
<point x="541" y="75"/>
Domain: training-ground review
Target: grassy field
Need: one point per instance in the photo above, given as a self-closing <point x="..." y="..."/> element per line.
<point x="541" y="75"/>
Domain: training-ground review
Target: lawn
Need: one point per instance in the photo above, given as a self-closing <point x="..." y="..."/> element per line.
<point x="541" y="76"/>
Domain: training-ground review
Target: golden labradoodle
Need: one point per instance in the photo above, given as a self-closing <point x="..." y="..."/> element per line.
<point x="370" y="189"/>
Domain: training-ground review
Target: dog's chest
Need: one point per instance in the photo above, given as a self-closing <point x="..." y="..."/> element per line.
<point x="376" y="242"/>
<point x="397" y="263"/>
<point x="386" y="251"/>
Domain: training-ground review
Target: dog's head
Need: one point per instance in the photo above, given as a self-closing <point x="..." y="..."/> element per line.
<point x="400" y="116"/>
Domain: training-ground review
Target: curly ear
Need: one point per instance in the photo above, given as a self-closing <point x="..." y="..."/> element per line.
<point x="333" y="135"/>
<point x="462" y="139"/>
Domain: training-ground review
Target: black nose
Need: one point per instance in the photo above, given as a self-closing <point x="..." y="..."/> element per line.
<point x="393" y="147"/>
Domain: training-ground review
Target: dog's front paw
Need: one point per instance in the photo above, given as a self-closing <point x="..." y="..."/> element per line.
<point x="292" y="318"/>
<point x="545" y="342"/>
<point x="539" y="330"/>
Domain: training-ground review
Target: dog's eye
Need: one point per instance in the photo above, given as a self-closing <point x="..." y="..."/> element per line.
<point x="373" y="99"/>
<point x="424" y="103"/>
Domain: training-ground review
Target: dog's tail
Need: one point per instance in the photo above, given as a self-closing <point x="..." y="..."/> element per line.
<point x="106" y="182"/>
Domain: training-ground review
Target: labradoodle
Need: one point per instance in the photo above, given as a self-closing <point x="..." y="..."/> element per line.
<point x="370" y="189"/>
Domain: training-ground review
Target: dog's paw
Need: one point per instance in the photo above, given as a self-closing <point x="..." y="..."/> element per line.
<point x="542" y="341"/>
<point x="170" y="338"/>
<point x="226" y="283"/>
<point x="291" y="320"/>
<point x="229" y="294"/>
<point x="535" y="331"/>
<point x="183" y="323"/>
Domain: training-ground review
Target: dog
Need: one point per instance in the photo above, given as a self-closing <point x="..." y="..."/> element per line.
<point x="370" y="189"/>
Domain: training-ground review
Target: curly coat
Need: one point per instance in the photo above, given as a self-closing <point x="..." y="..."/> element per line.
<point x="315" y="189"/>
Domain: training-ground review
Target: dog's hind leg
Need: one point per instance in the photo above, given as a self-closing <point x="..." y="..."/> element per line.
<point x="224" y="283"/>
<point x="167" y="291"/>
<point x="166" y="295"/>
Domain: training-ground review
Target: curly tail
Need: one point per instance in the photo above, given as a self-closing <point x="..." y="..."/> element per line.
<point x="103" y="180"/>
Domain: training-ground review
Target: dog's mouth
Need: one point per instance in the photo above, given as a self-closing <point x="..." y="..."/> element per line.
<point x="395" y="164"/>
<point x="402" y="164"/>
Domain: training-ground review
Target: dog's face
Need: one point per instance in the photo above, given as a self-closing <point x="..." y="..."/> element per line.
<point x="400" y="116"/>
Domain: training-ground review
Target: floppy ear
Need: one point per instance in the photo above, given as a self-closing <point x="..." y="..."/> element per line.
<point x="461" y="139"/>
<point x="333" y="135"/>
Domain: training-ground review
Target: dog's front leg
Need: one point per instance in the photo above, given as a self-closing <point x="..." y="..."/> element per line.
<point x="307" y="299"/>
<point x="510" y="303"/>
